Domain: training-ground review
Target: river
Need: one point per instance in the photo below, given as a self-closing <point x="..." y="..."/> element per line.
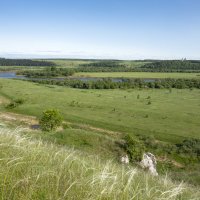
<point x="12" y="75"/>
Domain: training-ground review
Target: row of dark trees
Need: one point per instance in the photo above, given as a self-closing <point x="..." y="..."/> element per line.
<point x="125" y="84"/>
<point x="128" y="69"/>
<point x="115" y="66"/>
<point x="106" y="69"/>
<point x="47" y="73"/>
<point x="173" y="66"/>
<point x="24" y="62"/>
<point x="103" y="64"/>
<point x="155" y="66"/>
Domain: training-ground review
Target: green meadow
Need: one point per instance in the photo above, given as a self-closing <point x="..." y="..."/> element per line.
<point x="137" y="75"/>
<point x="71" y="63"/>
<point x="171" y="115"/>
<point x="95" y="121"/>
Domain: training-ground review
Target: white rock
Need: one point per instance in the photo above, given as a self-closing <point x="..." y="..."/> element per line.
<point x="125" y="159"/>
<point x="149" y="162"/>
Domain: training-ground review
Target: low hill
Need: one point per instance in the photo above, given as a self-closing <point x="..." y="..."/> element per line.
<point x="32" y="169"/>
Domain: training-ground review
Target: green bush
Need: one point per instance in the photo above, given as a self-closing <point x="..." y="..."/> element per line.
<point x="189" y="146"/>
<point x="15" y="103"/>
<point x="50" y="120"/>
<point x="134" y="147"/>
<point x="19" y="101"/>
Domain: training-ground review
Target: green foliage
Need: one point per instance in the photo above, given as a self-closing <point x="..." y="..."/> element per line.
<point x="149" y="141"/>
<point x="15" y="103"/>
<point x="165" y="104"/>
<point x="107" y="83"/>
<point x="47" y="73"/>
<point x="110" y="64"/>
<point x="172" y="66"/>
<point x="172" y="118"/>
<point x="153" y="66"/>
<point x="50" y="120"/>
<point x="189" y="146"/>
<point x="149" y="102"/>
<point x="24" y="62"/>
<point x="134" y="147"/>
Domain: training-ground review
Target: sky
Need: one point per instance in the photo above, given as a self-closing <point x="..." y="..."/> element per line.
<point x="111" y="29"/>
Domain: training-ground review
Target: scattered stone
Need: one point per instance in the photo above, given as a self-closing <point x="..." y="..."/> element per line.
<point x="125" y="159"/>
<point x="149" y="162"/>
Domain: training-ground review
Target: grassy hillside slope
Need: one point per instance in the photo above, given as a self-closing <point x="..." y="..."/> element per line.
<point x="32" y="169"/>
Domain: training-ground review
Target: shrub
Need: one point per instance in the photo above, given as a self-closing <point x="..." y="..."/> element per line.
<point x="50" y="120"/>
<point x="149" y="102"/>
<point x="149" y="97"/>
<point x="11" y="105"/>
<point x="15" y="103"/>
<point x="19" y="101"/>
<point x="149" y="141"/>
<point x="134" y="148"/>
<point x="189" y="146"/>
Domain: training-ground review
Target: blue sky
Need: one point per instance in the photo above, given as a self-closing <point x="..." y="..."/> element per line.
<point x="121" y="29"/>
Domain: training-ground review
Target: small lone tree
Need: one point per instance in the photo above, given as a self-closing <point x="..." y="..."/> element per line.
<point x="50" y="120"/>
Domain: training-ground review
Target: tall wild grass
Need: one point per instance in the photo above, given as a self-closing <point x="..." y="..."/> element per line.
<point x="33" y="169"/>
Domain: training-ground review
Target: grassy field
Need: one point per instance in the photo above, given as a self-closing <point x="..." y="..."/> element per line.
<point x="33" y="169"/>
<point x="96" y="120"/>
<point x="137" y="75"/>
<point x="69" y="63"/>
<point x="75" y="63"/>
<point x="171" y="116"/>
<point x="21" y="68"/>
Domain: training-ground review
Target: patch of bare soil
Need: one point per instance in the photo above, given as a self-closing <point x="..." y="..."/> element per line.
<point x="3" y="100"/>
<point x="29" y="120"/>
<point x="100" y="130"/>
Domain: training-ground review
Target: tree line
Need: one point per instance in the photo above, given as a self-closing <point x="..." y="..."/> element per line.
<point x="155" y="66"/>
<point x="24" y="62"/>
<point x="103" y="64"/>
<point x="47" y="73"/>
<point x="173" y="66"/>
<point x="124" y="83"/>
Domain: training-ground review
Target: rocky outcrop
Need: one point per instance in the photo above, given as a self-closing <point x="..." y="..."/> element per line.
<point x="125" y="159"/>
<point x="149" y="162"/>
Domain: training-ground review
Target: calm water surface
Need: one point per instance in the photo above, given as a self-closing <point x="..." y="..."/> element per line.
<point x="12" y="75"/>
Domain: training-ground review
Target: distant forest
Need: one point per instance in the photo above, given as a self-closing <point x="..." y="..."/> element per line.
<point x="115" y="66"/>
<point x="154" y="66"/>
<point x="101" y="64"/>
<point x="24" y="62"/>
<point x="173" y="66"/>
